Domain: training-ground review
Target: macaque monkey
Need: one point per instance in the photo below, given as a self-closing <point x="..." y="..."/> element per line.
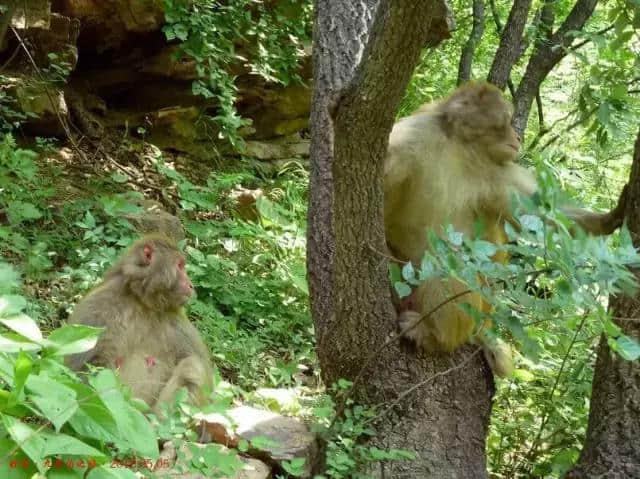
<point x="453" y="161"/>
<point x="147" y="338"/>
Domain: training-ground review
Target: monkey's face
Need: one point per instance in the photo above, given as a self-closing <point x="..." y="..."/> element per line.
<point x="161" y="281"/>
<point x="478" y="116"/>
<point x="184" y="286"/>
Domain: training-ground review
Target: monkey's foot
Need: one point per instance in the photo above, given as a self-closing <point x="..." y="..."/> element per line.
<point x="410" y="326"/>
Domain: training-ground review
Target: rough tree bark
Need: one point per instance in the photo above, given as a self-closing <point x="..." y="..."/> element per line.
<point x="359" y="82"/>
<point x="469" y="49"/>
<point x="510" y="47"/>
<point x="546" y="56"/>
<point x="612" y="446"/>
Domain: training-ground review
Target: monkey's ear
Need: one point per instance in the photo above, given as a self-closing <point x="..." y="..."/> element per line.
<point x="147" y="253"/>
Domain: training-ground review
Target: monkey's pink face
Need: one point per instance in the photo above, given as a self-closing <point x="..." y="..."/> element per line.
<point x="184" y="286"/>
<point x="165" y="283"/>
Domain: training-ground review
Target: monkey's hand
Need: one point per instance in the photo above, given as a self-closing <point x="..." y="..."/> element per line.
<point x="411" y="327"/>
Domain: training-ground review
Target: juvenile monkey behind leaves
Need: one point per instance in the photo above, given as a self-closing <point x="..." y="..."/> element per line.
<point x="453" y="162"/>
<point x="147" y="335"/>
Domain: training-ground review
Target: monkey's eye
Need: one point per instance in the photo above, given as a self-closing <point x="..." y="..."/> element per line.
<point x="181" y="264"/>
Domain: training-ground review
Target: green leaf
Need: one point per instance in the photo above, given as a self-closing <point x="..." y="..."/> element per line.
<point x="395" y="273"/>
<point x="403" y="289"/>
<point x="56" y="401"/>
<point x="408" y="273"/>
<point x="8" y="278"/>
<point x="73" y="339"/>
<point x="531" y="222"/>
<point x="118" y="177"/>
<point x="133" y="427"/>
<point x="63" y="444"/>
<point x="21" y="370"/>
<point x="295" y="466"/>
<point x="21" y="210"/>
<point x="11" y="305"/>
<point x="14" y="464"/>
<point x="92" y="418"/>
<point x="270" y="211"/>
<point x="628" y="347"/>
<point x="107" y="472"/>
<point x="9" y="344"/>
<point x="524" y="375"/>
<point x="30" y="441"/>
<point x="23" y="325"/>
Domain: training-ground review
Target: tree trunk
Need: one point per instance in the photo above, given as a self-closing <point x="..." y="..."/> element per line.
<point x="612" y="446"/>
<point x="466" y="59"/>
<point x="364" y="57"/>
<point x="546" y="56"/>
<point x="510" y="47"/>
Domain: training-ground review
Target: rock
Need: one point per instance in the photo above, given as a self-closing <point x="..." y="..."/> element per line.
<point x="177" y="121"/>
<point x="56" y="45"/>
<point x="253" y="469"/>
<point x="42" y="102"/>
<point x="32" y="14"/>
<point x="167" y="63"/>
<point x="288" y="438"/>
<point x="279" y="400"/>
<point x="263" y="150"/>
<point x="134" y="15"/>
<point x="275" y="111"/>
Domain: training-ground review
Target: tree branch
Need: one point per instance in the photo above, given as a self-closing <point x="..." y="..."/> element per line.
<point x="469" y="49"/>
<point x="509" y="49"/>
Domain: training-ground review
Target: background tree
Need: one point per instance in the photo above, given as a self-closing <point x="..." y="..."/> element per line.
<point x="614" y="421"/>
<point x="469" y="49"/>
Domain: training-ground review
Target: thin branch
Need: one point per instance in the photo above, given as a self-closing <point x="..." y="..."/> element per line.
<point x="570" y="127"/>
<point x="543" y="423"/>
<point x="540" y="112"/>
<point x="584" y="42"/>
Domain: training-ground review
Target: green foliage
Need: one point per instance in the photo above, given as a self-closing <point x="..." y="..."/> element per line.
<point x="349" y="454"/>
<point x="270" y="39"/>
<point x="251" y="279"/>
<point x="10" y="114"/>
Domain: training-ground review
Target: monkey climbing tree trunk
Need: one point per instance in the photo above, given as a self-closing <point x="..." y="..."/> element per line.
<point x="547" y="55"/>
<point x="466" y="59"/>
<point x="611" y="447"/>
<point x="437" y="407"/>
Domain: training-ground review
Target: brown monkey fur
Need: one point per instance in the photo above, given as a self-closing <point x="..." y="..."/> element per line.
<point x="453" y="162"/>
<point x="147" y="335"/>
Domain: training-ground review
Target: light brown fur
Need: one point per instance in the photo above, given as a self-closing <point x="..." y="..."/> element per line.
<point x="147" y="336"/>
<point x="453" y="162"/>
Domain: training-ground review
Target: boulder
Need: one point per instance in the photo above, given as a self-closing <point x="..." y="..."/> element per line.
<point x="273" y="437"/>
